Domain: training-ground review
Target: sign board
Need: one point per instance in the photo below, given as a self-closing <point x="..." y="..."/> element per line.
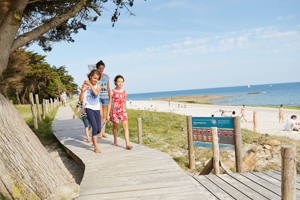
<point x="201" y="129"/>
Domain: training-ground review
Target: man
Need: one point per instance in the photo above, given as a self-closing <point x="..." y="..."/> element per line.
<point x="290" y="124"/>
<point x="64" y="98"/>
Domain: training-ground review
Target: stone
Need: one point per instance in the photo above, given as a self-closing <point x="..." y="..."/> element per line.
<point x="273" y="142"/>
<point x="256" y="148"/>
<point x="66" y="192"/>
<point x="249" y="161"/>
<point x="198" y="163"/>
<point x="267" y="151"/>
<point x="267" y="147"/>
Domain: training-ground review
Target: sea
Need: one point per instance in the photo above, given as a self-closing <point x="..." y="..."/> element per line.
<point x="287" y="94"/>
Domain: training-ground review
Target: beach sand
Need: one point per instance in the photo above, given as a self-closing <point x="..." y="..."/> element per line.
<point x="267" y="118"/>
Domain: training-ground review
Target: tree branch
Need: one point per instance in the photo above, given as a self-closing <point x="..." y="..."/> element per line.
<point x="33" y="1"/>
<point x="35" y="33"/>
<point x="94" y="8"/>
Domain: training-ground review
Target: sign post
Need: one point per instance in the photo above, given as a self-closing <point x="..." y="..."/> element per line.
<point x="227" y="133"/>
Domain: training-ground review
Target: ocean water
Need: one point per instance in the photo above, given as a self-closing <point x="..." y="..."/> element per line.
<point x="287" y="94"/>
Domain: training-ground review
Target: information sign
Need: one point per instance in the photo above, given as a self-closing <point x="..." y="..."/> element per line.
<point x="202" y="133"/>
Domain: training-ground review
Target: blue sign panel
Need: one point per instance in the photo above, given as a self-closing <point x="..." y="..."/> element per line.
<point x="209" y="145"/>
<point x="207" y="122"/>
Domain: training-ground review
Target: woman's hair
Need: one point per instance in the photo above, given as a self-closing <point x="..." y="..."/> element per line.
<point x="119" y="76"/>
<point x="233" y="112"/>
<point x="94" y="72"/>
<point x="243" y="105"/>
<point x="281" y="105"/>
<point x="100" y="63"/>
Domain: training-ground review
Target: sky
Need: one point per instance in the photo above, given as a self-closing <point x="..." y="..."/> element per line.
<point x="188" y="44"/>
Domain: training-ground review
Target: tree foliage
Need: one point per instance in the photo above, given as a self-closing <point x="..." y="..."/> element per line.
<point x="28" y="72"/>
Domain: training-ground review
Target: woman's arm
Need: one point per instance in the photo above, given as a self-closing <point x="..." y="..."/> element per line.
<point x="109" y="104"/>
<point x="108" y="88"/>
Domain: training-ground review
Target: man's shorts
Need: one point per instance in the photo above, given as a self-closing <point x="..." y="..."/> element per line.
<point x="104" y="102"/>
<point x="86" y="122"/>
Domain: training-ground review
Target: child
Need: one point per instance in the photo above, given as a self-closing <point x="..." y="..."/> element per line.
<point x="233" y="114"/>
<point x="86" y="121"/>
<point x="117" y="110"/>
<point x="92" y="105"/>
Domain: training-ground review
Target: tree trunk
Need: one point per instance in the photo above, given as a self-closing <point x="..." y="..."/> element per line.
<point x="8" y="29"/>
<point x="18" y="98"/>
<point x="27" y="171"/>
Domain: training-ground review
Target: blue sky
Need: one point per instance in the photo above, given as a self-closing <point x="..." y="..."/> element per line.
<point x="189" y="44"/>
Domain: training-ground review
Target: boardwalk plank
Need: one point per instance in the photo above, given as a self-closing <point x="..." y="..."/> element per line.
<point x="278" y="177"/>
<point x="241" y="187"/>
<point x="263" y="183"/>
<point x="214" y="189"/>
<point x="258" y="188"/>
<point x="236" y="194"/>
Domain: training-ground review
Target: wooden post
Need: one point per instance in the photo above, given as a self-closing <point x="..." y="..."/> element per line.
<point x="37" y="101"/>
<point x="51" y="104"/>
<point x="254" y="121"/>
<point x="190" y="142"/>
<point x="139" y="127"/>
<point x="215" y="147"/>
<point x="288" y="172"/>
<point x="44" y="105"/>
<point x="35" y="124"/>
<point x="238" y="144"/>
<point x="47" y="106"/>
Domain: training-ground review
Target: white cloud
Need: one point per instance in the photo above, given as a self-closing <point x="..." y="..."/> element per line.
<point x="188" y="42"/>
<point x="278" y="34"/>
<point x="290" y="17"/>
<point x="279" y="18"/>
<point x="150" y="49"/>
<point x="176" y="44"/>
<point x="165" y="46"/>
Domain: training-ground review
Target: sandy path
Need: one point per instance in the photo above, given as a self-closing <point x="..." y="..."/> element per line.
<point x="267" y="117"/>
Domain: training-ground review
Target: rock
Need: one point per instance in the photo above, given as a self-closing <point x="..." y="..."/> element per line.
<point x="268" y="147"/>
<point x="249" y="161"/>
<point x="267" y="151"/>
<point x="66" y="192"/>
<point x="198" y="163"/>
<point x="256" y="148"/>
<point x="273" y="142"/>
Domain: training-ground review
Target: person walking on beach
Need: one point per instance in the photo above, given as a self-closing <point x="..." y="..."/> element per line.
<point x="281" y="114"/>
<point x="104" y="97"/>
<point x="243" y="113"/>
<point x="87" y="123"/>
<point x="169" y="103"/>
<point x="291" y="124"/>
<point x="117" y="110"/>
<point x="130" y="102"/>
<point x="92" y="105"/>
<point x="64" y="98"/>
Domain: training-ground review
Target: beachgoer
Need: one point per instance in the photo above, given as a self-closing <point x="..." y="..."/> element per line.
<point x="92" y="105"/>
<point x="212" y="115"/>
<point x="281" y="114"/>
<point x="104" y="97"/>
<point x="87" y="123"/>
<point x="130" y="102"/>
<point x="169" y="103"/>
<point x="243" y="113"/>
<point x="233" y="114"/>
<point x="223" y="114"/>
<point x="178" y="105"/>
<point x="117" y="110"/>
<point x="64" y="98"/>
<point x="290" y="124"/>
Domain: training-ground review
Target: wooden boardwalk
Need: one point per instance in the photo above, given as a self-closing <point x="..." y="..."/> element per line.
<point x="256" y="185"/>
<point x="117" y="173"/>
<point x="144" y="173"/>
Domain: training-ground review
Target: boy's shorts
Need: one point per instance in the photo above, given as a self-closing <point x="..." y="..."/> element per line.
<point x="86" y="122"/>
<point x="104" y="102"/>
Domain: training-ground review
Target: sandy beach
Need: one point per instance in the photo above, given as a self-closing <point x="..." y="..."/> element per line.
<point x="268" y="121"/>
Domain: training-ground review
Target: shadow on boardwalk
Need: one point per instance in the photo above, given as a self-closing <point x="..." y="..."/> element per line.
<point x="117" y="173"/>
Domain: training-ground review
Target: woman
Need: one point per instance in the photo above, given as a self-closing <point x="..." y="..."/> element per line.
<point x="104" y="97"/>
<point x="281" y="114"/>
